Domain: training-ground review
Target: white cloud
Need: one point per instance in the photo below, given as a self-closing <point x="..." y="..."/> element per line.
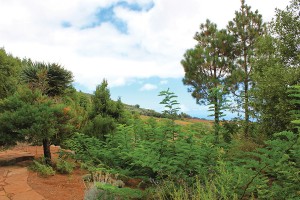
<point x="154" y="45"/>
<point x="148" y="87"/>
<point x="163" y="82"/>
<point x="183" y="108"/>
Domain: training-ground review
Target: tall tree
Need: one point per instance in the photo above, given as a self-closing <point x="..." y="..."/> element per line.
<point x="105" y="113"/>
<point x="102" y="104"/>
<point x="207" y="66"/>
<point x="9" y="73"/>
<point x="246" y="27"/>
<point x="51" y="79"/>
<point x="276" y="69"/>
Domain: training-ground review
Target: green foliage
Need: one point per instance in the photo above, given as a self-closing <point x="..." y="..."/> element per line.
<point x="112" y="192"/>
<point x="200" y="191"/>
<point x="275" y="168"/>
<point x="217" y="105"/>
<point x="31" y="115"/>
<point x="170" y="102"/>
<point x="208" y="63"/>
<point x="207" y="67"/>
<point x="42" y="169"/>
<point x="295" y="95"/>
<point x="51" y="79"/>
<point x="217" y="94"/>
<point x="88" y="149"/>
<point x="246" y="27"/>
<point x="11" y="121"/>
<point x="270" y="172"/>
<point x="275" y="70"/>
<point x="105" y="113"/>
<point x="142" y="111"/>
<point x="9" y="71"/>
<point x="285" y="27"/>
<point x="64" y="167"/>
<point x="171" y="153"/>
<point x="271" y="93"/>
<point x="100" y="127"/>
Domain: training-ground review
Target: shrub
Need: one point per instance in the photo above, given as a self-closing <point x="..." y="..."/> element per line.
<point x="108" y="191"/>
<point x="112" y="191"/>
<point x="206" y="191"/>
<point x="64" y="167"/>
<point x="42" y="169"/>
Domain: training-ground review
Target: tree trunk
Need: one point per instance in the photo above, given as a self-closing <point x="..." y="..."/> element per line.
<point x="246" y="130"/>
<point x="246" y="95"/>
<point x="47" y="152"/>
<point x="217" y="120"/>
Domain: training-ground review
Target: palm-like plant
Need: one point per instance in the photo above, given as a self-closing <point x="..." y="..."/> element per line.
<point x="51" y="79"/>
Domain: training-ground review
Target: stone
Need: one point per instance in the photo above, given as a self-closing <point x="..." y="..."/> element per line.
<point x="2" y="193"/>
<point x="32" y="195"/>
<point x="4" y="198"/>
<point x="17" y="178"/>
<point x="16" y="188"/>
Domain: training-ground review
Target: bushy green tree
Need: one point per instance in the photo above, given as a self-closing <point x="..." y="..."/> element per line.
<point x="32" y="116"/>
<point x="105" y="113"/>
<point x="276" y="69"/>
<point x="51" y="80"/>
<point x="271" y="93"/>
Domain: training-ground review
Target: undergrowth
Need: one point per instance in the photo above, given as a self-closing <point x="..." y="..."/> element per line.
<point x="42" y="169"/>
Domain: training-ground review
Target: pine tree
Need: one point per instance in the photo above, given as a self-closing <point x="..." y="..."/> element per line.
<point x="30" y="116"/>
<point x="105" y="113"/>
<point x="246" y="27"/>
<point x="207" y="67"/>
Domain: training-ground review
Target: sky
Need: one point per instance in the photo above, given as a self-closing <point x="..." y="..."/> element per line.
<point x="136" y="45"/>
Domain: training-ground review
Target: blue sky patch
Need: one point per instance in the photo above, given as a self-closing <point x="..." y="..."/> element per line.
<point x="135" y="6"/>
<point x="108" y="15"/>
<point x="66" y="24"/>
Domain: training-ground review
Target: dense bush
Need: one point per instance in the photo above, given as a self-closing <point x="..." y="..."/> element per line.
<point x="41" y="168"/>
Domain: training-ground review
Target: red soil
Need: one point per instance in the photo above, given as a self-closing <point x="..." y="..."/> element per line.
<point x="57" y="187"/>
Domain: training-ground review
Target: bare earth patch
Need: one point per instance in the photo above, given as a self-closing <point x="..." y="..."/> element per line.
<point x="57" y="187"/>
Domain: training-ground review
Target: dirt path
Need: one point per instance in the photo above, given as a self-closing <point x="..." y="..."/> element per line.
<point x="17" y="183"/>
<point x="14" y="186"/>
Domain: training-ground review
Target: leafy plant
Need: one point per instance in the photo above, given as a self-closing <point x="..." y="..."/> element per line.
<point x="42" y="169"/>
<point x="113" y="192"/>
<point x="170" y="103"/>
<point x="64" y="167"/>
